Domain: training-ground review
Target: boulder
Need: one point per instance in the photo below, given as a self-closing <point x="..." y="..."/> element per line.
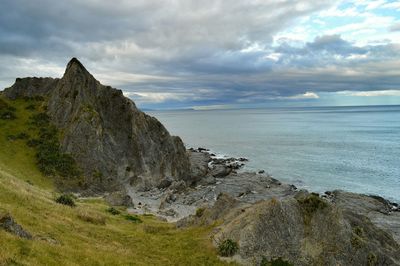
<point x="220" y="171"/>
<point x="119" y="198"/>
<point x="198" y="164"/>
<point x="8" y="223"/>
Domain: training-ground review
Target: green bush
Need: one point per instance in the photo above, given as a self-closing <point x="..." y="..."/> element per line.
<point x="200" y="212"/>
<point x="113" y="211"/>
<point x="7" y="112"/>
<point x="133" y="218"/>
<point x="274" y="262"/>
<point x="372" y="259"/>
<point x="30" y="107"/>
<point x="51" y="161"/>
<point x="312" y="203"/>
<point x="66" y="199"/>
<point x="227" y="248"/>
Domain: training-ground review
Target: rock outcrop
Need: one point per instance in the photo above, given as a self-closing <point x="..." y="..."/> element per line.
<point x="114" y="143"/>
<point x="303" y="229"/>
<point x="8" y="223"/>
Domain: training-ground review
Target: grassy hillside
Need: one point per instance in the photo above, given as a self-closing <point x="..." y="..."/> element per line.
<point x="86" y="234"/>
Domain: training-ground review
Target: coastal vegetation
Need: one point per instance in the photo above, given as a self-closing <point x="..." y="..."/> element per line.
<point x="227" y="248"/>
<point x="90" y="233"/>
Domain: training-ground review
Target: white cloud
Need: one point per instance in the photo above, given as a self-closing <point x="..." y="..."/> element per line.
<point x="306" y="95"/>
<point x="370" y="93"/>
<point x="156" y="97"/>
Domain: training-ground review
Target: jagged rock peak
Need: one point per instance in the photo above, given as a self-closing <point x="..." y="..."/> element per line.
<point x="76" y="70"/>
<point x="74" y="62"/>
<point x="114" y="143"/>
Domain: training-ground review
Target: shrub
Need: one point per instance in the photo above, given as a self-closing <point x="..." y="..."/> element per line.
<point x="22" y="135"/>
<point x="40" y="120"/>
<point x="49" y="158"/>
<point x="7" y="112"/>
<point x="312" y="203"/>
<point x="7" y="115"/>
<point x="372" y="259"/>
<point x="200" y="212"/>
<point x="358" y="231"/>
<point x="30" y="107"/>
<point x="66" y="199"/>
<point x="91" y="217"/>
<point x="227" y="248"/>
<point x="113" y="211"/>
<point x="274" y="262"/>
<point x="133" y="218"/>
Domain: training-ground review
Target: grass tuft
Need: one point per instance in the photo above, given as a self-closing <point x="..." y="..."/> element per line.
<point x="133" y="218"/>
<point x="113" y="211"/>
<point x="227" y="248"/>
<point x="91" y="217"/>
<point x="275" y="262"/>
<point x="66" y="199"/>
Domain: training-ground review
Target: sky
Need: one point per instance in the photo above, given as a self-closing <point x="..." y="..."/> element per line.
<point x="170" y="54"/>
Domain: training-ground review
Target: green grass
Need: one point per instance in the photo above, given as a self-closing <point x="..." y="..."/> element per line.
<point x="15" y="157"/>
<point x="63" y="237"/>
<point x="87" y="234"/>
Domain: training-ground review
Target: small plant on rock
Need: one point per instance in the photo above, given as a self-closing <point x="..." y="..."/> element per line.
<point x="274" y="262"/>
<point x="66" y="199"/>
<point x="133" y="218"/>
<point x="227" y="248"/>
<point x="113" y="211"/>
<point x="200" y="212"/>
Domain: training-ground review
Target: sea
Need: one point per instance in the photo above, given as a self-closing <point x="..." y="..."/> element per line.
<point x="355" y="149"/>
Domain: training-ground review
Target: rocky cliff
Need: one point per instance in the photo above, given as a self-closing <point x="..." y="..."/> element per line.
<point x="114" y="143"/>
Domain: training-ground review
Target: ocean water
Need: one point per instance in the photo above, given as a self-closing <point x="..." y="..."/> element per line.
<point x="318" y="148"/>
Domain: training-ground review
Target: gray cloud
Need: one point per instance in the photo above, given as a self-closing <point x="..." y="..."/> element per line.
<point x="197" y="51"/>
<point x="395" y="27"/>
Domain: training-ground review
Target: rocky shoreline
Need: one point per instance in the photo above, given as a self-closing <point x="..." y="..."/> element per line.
<point x="131" y="159"/>
<point x="225" y="192"/>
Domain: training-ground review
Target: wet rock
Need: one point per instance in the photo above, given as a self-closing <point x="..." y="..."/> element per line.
<point x="8" y="224"/>
<point x="199" y="164"/>
<point x="220" y="171"/>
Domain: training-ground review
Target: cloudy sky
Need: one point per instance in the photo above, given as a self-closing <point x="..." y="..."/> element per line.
<point x="210" y="53"/>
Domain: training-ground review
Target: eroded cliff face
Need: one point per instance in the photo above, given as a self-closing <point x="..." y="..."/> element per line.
<point x="113" y="142"/>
